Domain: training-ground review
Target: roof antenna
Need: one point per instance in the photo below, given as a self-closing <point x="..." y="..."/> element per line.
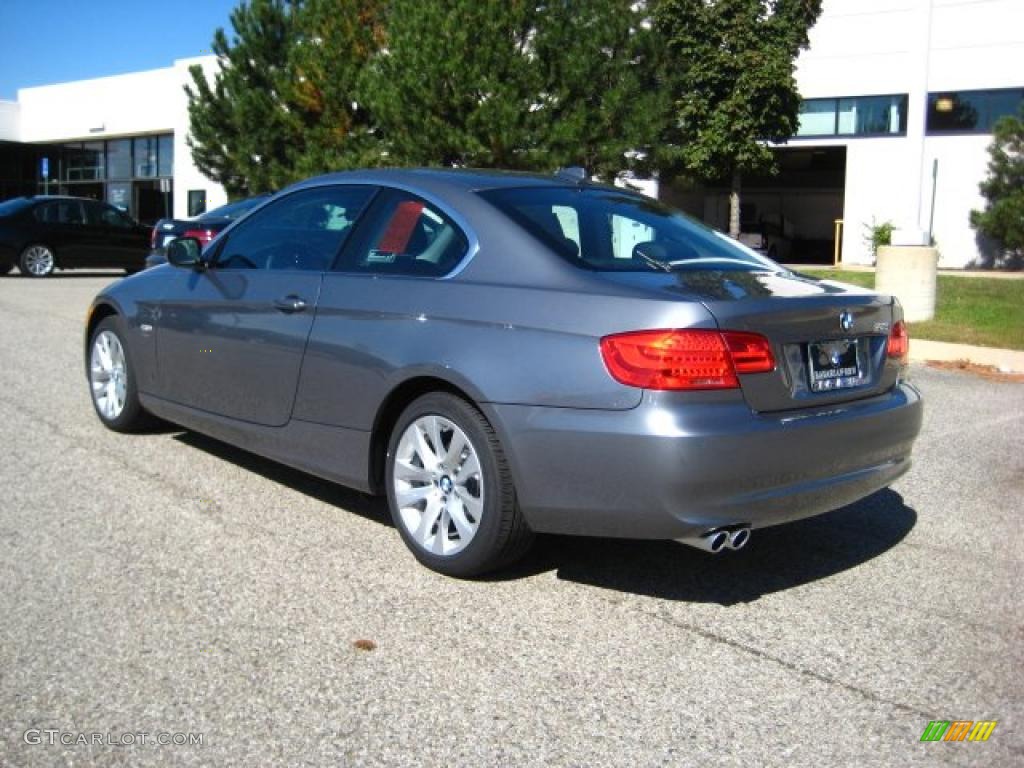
<point x="574" y="173"/>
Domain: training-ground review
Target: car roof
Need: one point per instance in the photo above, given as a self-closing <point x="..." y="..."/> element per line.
<point x="48" y="198"/>
<point x="461" y="178"/>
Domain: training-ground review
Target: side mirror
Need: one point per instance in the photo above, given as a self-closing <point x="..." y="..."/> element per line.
<point x="185" y="252"/>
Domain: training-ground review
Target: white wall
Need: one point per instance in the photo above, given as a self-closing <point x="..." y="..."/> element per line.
<point x="876" y="47"/>
<point x="147" y="102"/>
<point x="10" y="121"/>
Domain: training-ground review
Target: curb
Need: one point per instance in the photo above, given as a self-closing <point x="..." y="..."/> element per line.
<point x="1005" y="360"/>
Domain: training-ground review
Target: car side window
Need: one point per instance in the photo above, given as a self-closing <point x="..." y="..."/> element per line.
<point x="103" y="215"/>
<point x="61" y="212"/>
<point x="303" y="230"/>
<point x="405" y="235"/>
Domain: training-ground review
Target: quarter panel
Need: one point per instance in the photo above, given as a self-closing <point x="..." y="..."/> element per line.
<point x="502" y="343"/>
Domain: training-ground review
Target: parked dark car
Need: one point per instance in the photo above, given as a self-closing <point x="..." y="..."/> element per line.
<point x="503" y="354"/>
<point x="203" y="227"/>
<point x="42" y="233"/>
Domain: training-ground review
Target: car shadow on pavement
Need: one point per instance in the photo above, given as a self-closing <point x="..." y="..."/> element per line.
<point x="776" y="558"/>
<point x="364" y="505"/>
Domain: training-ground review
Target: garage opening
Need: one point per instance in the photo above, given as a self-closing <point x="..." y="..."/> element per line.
<point x="792" y="214"/>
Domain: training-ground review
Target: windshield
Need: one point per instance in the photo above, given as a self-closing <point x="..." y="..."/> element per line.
<point x="612" y="231"/>
<point x="14" y="205"/>
<point x="234" y="210"/>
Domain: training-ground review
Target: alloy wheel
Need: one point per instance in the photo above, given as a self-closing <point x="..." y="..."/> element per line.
<point x="38" y="260"/>
<point x="438" y="485"/>
<point x="108" y="375"/>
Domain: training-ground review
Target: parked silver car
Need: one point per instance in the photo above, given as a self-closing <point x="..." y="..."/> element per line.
<point x="504" y="354"/>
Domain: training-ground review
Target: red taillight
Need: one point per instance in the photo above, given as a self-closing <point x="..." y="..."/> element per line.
<point x="204" y="236"/>
<point x="685" y="359"/>
<point x="152" y="238"/>
<point x="899" y="342"/>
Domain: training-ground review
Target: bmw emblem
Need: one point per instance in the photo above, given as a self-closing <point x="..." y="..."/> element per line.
<point x="846" y="320"/>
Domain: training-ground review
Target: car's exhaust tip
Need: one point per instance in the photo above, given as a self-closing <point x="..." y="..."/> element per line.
<point x="718" y="539"/>
<point x="738" y="539"/>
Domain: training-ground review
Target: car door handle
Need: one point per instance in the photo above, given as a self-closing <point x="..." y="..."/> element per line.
<point x="290" y="303"/>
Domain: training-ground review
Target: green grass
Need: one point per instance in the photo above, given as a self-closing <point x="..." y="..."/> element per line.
<point x="984" y="311"/>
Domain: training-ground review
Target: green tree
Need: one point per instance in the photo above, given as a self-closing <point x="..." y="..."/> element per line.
<point x="1002" y="218"/>
<point x="455" y="84"/>
<point x="730" y="73"/>
<point x="282" y="105"/>
<point x="241" y="133"/>
<point x="601" y="103"/>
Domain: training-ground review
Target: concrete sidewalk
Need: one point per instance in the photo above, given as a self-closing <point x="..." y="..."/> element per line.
<point x="1006" y="360"/>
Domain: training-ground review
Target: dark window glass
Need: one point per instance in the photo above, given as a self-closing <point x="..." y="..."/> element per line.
<point x="303" y="230"/>
<point x="196" y="201"/>
<point x="166" y="155"/>
<point x="119" y="159"/>
<point x="145" y="156"/>
<point x="854" y="116"/>
<point x="607" y="230"/>
<point x="61" y="212"/>
<point x="971" y="111"/>
<point x="103" y="215"/>
<point x="84" y="162"/>
<point x="406" y="236"/>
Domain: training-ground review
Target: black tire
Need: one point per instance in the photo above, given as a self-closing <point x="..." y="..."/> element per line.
<point x="502" y="535"/>
<point x="28" y="259"/>
<point x="132" y="417"/>
<point x="5" y="268"/>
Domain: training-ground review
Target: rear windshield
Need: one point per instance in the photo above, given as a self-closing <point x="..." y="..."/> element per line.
<point x="13" y="206"/>
<point x="607" y="230"/>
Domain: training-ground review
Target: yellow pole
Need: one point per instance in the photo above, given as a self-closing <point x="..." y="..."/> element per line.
<point x="838" y="242"/>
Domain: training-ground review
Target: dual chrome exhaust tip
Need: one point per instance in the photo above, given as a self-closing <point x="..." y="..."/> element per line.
<point x="718" y="539"/>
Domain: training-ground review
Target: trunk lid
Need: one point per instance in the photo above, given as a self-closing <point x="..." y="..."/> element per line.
<point x="819" y="330"/>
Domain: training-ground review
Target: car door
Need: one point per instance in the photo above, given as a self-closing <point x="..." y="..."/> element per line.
<point x="231" y="336"/>
<point x="60" y="224"/>
<point x="116" y="240"/>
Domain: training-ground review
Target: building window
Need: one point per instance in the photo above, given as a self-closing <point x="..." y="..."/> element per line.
<point x="971" y="111"/>
<point x="145" y="156"/>
<point x="854" y="116"/>
<point x="196" y="202"/>
<point x="119" y="159"/>
<point x="166" y="154"/>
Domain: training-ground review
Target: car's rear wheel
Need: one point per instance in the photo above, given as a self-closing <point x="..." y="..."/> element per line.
<point x="450" y="489"/>
<point x="37" y="260"/>
<point x="112" y="385"/>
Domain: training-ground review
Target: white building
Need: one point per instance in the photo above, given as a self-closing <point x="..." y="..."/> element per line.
<point x="890" y="87"/>
<point x="118" y="138"/>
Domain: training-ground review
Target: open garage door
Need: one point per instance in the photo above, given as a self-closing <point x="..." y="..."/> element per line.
<point x="793" y="213"/>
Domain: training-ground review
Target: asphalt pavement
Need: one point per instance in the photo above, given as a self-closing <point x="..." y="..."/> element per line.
<point x="169" y="584"/>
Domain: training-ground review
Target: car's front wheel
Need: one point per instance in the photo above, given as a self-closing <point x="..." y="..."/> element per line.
<point x="37" y="260"/>
<point x="112" y="386"/>
<point x="450" y="489"/>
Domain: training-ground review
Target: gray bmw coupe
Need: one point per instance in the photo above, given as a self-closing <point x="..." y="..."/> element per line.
<point x="504" y="354"/>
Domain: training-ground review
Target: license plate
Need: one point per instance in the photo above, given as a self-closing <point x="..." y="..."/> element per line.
<point x="834" y="365"/>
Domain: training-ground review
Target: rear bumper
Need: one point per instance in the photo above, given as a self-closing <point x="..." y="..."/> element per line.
<point x="669" y="469"/>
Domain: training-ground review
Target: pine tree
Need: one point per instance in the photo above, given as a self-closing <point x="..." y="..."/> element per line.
<point x="456" y="83"/>
<point x="1002" y="218"/>
<point x="602" y="105"/>
<point x="241" y="132"/>
<point x="732" y="82"/>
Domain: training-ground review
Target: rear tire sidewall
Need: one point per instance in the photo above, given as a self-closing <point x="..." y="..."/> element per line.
<point x="481" y="553"/>
<point x="132" y="416"/>
<point x="24" y="253"/>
